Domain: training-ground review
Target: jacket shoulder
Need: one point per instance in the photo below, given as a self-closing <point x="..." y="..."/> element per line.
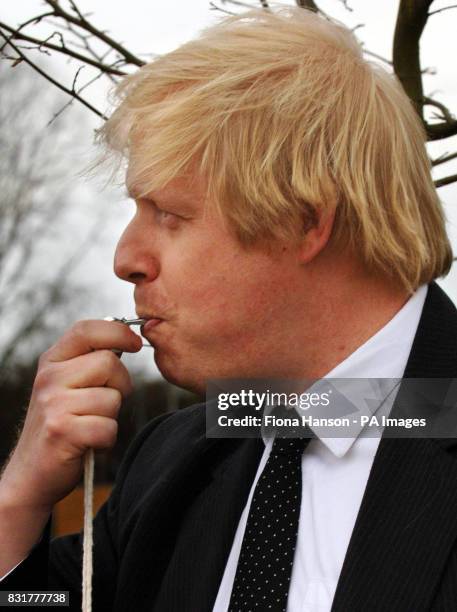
<point x="167" y="433"/>
<point x="163" y="443"/>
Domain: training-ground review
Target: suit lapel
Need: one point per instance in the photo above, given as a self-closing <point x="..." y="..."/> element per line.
<point x="407" y="522"/>
<point x="208" y="524"/>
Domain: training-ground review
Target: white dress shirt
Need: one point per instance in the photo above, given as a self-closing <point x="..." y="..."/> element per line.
<point x="335" y="473"/>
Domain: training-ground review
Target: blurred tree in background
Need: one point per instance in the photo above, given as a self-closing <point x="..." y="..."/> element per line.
<point x="34" y="203"/>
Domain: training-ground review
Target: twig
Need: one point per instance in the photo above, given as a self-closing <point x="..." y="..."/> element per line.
<point x="87" y="47"/>
<point x="64" y="50"/>
<point x="448" y="127"/>
<point x="238" y="3"/>
<point x="445" y="8"/>
<point x="35" y="20"/>
<point x="76" y="9"/>
<point x="75" y="78"/>
<point x="49" y="78"/>
<point x="43" y="51"/>
<point x="59" y="36"/>
<point x="346" y="6"/>
<point x="447" y="180"/>
<point x="308" y="4"/>
<point x="84" y="24"/>
<point x="444" y="158"/>
<point x="446" y="114"/>
<point x="377" y="56"/>
<point x="70" y="102"/>
<point x="213" y="7"/>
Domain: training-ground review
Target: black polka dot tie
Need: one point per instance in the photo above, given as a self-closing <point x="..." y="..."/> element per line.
<point x="267" y="554"/>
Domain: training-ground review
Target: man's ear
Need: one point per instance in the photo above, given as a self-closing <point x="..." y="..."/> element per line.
<point x="317" y="236"/>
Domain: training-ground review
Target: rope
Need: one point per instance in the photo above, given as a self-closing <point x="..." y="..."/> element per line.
<point x="88" y="538"/>
<point x="88" y="535"/>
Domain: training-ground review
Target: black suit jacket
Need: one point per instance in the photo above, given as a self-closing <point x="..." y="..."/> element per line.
<point x="163" y="538"/>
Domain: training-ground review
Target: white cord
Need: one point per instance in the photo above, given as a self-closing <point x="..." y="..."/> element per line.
<point x="88" y="538"/>
<point x="88" y="535"/>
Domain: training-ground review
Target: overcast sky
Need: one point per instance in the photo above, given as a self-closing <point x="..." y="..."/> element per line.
<point x="148" y="28"/>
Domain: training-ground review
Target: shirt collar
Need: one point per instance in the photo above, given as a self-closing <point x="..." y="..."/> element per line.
<point x="382" y="357"/>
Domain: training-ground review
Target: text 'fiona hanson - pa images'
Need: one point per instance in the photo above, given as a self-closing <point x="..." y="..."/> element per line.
<point x="331" y="408"/>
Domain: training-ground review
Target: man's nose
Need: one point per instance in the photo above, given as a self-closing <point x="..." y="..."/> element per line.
<point x="133" y="261"/>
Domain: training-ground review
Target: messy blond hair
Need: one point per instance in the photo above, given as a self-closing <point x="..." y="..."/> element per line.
<point x="283" y="116"/>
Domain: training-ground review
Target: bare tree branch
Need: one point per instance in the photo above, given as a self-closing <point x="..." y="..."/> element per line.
<point x="76" y="9"/>
<point x="411" y="21"/>
<point x="448" y="126"/>
<point x="70" y="102"/>
<point x="445" y="112"/>
<point x="439" y="131"/>
<point x="81" y="22"/>
<point x="238" y="3"/>
<point x="99" y="58"/>
<point x="49" y="78"/>
<point x="378" y="57"/>
<point x="308" y="4"/>
<point x="16" y="35"/>
<point x="35" y="20"/>
<point x="444" y="158"/>
<point x="213" y="7"/>
<point x="447" y="180"/>
<point x="346" y="6"/>
<point x="445" y="8"/>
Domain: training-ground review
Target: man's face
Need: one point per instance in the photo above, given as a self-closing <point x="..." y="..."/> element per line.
<point x="224" y="308"/>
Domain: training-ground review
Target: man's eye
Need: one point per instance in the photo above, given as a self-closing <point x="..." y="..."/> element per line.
<point x="169" y="219"/>
<point x="166" y="217"/>
<point x="165" y="214"/>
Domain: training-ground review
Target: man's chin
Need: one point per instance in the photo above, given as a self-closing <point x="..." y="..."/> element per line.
<point x="176" y="374"/>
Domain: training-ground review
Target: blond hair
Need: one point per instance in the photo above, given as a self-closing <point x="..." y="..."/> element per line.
<point x="284" y="117"/>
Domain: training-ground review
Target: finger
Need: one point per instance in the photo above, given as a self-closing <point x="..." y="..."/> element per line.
<point x="93" y="432"/>
<point x="91" y="335"/>
<point x="98" y="369"/>
<point x="96" y="401"/>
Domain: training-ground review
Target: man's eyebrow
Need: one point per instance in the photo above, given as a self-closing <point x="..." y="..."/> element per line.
<point x="179" y="199"/>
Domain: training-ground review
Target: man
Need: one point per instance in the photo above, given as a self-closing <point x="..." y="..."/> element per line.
<point x="286" y="227"/>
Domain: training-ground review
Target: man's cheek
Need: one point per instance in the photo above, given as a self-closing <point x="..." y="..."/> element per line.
<point x="209" y="293"/>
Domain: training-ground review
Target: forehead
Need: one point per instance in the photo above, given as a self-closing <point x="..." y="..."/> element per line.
<point x="150" y="175"/>
<point x="188" y="190"/>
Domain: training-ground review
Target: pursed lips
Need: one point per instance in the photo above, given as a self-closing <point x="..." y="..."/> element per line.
<point x="151" y="322"/>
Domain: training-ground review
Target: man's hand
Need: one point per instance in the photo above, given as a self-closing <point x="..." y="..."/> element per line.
<point x="75" y="401"/>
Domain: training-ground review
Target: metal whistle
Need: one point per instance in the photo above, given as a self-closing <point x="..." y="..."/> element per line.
<point x="129" y="322"/>
<point x="126" y="321"/>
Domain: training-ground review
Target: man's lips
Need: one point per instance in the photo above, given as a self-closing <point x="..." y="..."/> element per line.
<point x="151" y="322"/>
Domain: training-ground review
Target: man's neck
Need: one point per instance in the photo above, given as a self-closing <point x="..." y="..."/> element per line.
<point x="339" y="344"/>
<point x="335" y="315"/>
